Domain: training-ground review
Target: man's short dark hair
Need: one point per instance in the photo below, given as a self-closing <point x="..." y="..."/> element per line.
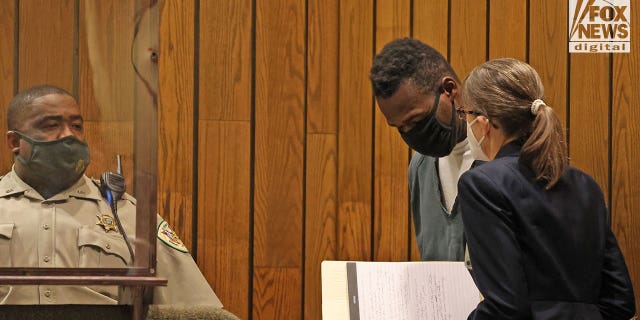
<point x="19" y="105"/>
<point x="408" y="59"/>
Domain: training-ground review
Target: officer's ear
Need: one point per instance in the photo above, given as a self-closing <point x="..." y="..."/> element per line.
<point x="13" y="141"/>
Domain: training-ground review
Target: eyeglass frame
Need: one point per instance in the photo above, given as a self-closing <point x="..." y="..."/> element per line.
<point x="462" y="113"/>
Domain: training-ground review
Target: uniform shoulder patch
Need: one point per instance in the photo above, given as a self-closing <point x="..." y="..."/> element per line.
<point x="170" y="238"/>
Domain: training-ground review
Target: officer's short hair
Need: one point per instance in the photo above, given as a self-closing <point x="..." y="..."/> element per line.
<point x="20" y="104"/>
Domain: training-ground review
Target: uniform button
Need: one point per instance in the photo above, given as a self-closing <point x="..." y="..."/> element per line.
<point x="46" y="259"/>
<point x="45" y="226"/>
<point x="9" y="190"/>
<point x="47" y="293"/>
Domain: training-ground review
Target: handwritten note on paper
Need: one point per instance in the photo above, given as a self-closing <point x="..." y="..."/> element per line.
<point x="415" y="290"/>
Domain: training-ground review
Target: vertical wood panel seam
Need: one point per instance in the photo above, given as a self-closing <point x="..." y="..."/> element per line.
<point x="610" y="140"/>
<point x="252" y="160"/>
<point x="527" y="31"/>
<point x="411" y="18"/>
<point x="449" y="31"/>
<point x="411" y="22"/>
<point x="136" y="75"/>
<point x="409" y="216"/>
<point x="195" y="132"/>
<point x="304" y="157"/>
<point x="567" y="107"/>
<point x="16" y="47"/>
<point x="336" y="227"/>
<point x="487" y="22"/>
<point x="374" y="24"/>
<point x="75" y="78"/>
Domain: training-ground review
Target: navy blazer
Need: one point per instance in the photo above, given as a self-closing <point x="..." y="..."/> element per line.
<point x="541" y="254"/>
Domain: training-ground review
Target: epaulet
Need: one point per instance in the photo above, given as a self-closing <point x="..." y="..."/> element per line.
<point x="170" y="238"/>
<point x="129" y="198"/>
<point x="125" y="196"/>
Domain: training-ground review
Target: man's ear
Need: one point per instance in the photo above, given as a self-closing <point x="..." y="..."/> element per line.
<point x="13" y="141"/>
<point x="449" y="86"/>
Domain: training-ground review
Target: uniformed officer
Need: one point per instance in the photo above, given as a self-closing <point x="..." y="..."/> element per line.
<point x="52" y="215"/>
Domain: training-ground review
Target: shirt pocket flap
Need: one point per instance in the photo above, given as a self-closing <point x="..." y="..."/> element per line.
<point x="110" y="244"/>
<point x="6" y="230"/>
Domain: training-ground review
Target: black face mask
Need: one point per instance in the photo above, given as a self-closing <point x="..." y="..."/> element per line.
<point x="431" y="138"/>
<point x="60" y="162"/>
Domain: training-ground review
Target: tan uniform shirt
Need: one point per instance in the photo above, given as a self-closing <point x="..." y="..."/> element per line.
<point x="62" y="231"/>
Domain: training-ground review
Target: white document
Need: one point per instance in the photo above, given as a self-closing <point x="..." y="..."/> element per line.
<point x="399" y="290"/>
<point x="335" y="295"/>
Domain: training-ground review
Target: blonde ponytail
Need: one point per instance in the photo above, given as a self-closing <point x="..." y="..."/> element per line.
<point x="545" y="151"/>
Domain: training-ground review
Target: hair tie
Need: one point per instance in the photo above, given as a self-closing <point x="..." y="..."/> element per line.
<point x="535" y="106"/>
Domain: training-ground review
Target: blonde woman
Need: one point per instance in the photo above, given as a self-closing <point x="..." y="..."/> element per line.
<point x="537" y="230"/>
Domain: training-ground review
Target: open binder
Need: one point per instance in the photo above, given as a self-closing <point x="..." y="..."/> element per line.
<point x="397" y="290"/>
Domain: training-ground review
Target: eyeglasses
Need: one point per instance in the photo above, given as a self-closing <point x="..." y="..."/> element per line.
<point x="462" y="113"/>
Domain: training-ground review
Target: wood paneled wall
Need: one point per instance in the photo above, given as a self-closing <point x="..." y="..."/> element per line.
<point x="272" y="154"/>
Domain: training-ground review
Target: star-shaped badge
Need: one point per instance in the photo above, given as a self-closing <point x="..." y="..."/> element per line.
<point x="107" y="223"/>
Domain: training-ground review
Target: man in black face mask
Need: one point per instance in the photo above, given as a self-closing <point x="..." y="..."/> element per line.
<point x="47" y="139"/>
<point x="52" y="215"/>
<point x="417" y="90"/>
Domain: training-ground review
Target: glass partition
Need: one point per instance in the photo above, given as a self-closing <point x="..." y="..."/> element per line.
<point x="115" y="83"/>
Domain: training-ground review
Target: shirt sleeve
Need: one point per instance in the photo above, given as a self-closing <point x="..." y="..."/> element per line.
<point x="493" y="249"/>
<point x="616" y="300"/>
<point x="186" y="284"/>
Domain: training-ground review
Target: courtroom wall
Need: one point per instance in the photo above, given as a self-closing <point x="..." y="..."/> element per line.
<point x="272" y="154"/>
